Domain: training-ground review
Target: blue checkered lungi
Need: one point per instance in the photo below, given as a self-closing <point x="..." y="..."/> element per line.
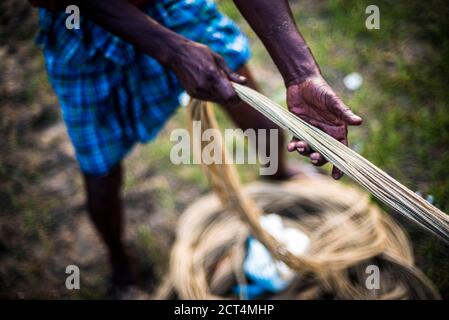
<point x="111" y="95"/>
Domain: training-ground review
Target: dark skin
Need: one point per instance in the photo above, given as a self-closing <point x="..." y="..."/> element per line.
<point x="205" y="75"/>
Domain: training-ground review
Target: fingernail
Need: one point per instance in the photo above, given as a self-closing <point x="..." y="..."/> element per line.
<point x="300" y="149"/>
<point x="356" y="118"/>
<point x="314" y="161"/>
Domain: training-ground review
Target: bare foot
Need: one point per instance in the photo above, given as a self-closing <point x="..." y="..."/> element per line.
<point x="122" y="273"/>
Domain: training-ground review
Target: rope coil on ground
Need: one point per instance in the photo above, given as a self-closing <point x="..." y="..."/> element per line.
<point x="347" y="234"/>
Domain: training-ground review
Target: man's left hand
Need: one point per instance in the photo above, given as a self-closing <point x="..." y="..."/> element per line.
<point x="314" y="101"/>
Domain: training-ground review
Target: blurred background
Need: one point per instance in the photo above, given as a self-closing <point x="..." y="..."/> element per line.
<point x="404" y="100"/>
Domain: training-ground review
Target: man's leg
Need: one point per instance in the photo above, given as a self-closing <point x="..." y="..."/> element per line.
<point x="255" y="120"/>
<point x="104" y="205"/>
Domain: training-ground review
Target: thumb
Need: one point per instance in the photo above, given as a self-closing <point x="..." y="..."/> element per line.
<point x="336" y="173"/>
<point x="344" y="113"/>
<point x="233" y="76"/>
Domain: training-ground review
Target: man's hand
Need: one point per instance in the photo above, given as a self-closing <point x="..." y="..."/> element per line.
<point x="204" y="74"/>
<point x="308" y="94"/>
<point x="314" y="101"/>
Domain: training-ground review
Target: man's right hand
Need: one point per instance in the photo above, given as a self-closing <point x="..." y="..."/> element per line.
<point x="204" y="74"/>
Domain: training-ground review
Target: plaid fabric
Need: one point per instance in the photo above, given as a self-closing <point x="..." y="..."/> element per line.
<point x="113" y="96"/>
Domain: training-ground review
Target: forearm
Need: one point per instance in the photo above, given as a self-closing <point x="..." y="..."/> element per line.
<point x="274" y="24"/>
<point x="128" y="22"/>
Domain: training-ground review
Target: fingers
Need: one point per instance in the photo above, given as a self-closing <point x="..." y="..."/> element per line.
<point x="291" y="146"/>
<point x="319" y="92"/>
<point x="317" y="159"/>
<point x="342" y="111"/>
<point x="217" y="87"/>
<point x="301" y="146"/>
<point x="336" y="173"/>
<point x="225" y="92"/>
<point x="351" y="118"/>
<point x="303" y="149"/>
<point x="233" y="76"/>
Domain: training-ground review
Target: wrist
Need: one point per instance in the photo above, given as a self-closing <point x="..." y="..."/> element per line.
<point x="295" y="61"/>
<point x="300" y="73"/>
<point x="165" y="46"/>
<point x="170" y="49"/>
<point x="299" y="65"/>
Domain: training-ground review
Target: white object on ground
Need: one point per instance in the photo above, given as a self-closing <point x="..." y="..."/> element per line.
<point x="259" y="265"/>
<point x="184" y="99"/>
<point x="353" y="81"/>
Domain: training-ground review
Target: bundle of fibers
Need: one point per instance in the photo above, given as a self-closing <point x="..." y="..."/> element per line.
<point x="347" y="234"/>
<point x="373" y="179"/>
